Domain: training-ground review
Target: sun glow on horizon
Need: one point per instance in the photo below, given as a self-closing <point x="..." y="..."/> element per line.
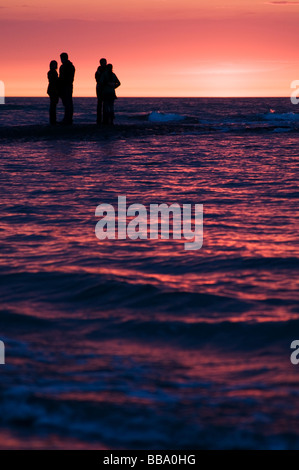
<point x="190" y="48"/>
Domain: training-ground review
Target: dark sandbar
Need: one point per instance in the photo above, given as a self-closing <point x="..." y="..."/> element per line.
<point x="93" y="132"/>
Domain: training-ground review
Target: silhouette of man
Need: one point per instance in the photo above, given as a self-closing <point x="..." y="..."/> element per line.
<point x="66" y="79"/>
<point x="53" y="91"/>
<point x="98" y="74"/>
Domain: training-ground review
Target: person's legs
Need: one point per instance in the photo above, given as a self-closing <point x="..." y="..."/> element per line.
<point x="111" y="111"/>
<point x="67" y="101"/>
<point x="69" y="108"/>
<point x="99" y="111"/>
<point x="52" y="110"/>
<point x="106" y="111"/>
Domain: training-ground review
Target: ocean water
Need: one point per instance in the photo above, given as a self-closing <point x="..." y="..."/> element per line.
<point x="206" y="114"/>
<point x="140" y="344"/>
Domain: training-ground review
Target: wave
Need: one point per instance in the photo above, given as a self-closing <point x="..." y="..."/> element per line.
<point x="274" y="116"/>
<point x="104" y="291"/>
<point x="157" y="116"/>
<point x="226" y="336"/>
<point x="142" y="419"/>
<point x="101" y="293"/>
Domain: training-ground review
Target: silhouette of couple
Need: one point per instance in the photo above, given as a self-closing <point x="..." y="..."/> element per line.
<point x="107" y="82"/>
<point x="62" y="87"/>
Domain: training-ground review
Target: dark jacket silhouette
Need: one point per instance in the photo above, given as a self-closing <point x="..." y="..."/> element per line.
<point x="100" y="70"/>
<point x="53" y="91"/>
<point x="53" y="84"/>
<point x="98" y="74"/>
<point x="66" y="75"/>
<point x="65" y="84"/>
<point x="108" y="83"/>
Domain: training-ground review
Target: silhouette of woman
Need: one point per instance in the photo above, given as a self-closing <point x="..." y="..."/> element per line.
<point x="52" y="91"/>
<point x="108" y="82"/>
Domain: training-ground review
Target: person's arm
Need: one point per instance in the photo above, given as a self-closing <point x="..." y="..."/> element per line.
<point x="117" y="82"/>
<point x="97" y="75"/>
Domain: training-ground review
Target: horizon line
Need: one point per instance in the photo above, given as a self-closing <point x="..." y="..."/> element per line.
<point x="158" y="97"/>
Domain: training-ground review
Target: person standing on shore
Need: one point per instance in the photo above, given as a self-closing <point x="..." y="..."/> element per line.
<point x="108" y="82"/>
<point x="66" y="79"/>
<point x="52" y="91"/>
<point x="98" y="74"/>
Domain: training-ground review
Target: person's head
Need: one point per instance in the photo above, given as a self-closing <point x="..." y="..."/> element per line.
<point x="53" y="65"/>
<point x="64" y="57"/>
<point x="103" y="62"/>
<point x="109" y="68"/>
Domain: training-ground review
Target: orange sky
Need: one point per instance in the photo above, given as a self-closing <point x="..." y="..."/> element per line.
<point x="157" y="47"/>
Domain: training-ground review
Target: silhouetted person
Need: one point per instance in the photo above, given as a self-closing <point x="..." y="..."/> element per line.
<point x="66" y="79"/>
<point x="53" y="91"/>
<point x="98" y="74"/>
<point x="108" y="83"/>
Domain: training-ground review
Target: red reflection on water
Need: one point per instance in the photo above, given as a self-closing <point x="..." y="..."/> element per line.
<point x="20" y="441"/>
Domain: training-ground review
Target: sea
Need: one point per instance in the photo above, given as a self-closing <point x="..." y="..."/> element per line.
<point x="142" y="344"/>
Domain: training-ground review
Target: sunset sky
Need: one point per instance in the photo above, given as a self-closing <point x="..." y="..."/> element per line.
<point x="158" y="47"/>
